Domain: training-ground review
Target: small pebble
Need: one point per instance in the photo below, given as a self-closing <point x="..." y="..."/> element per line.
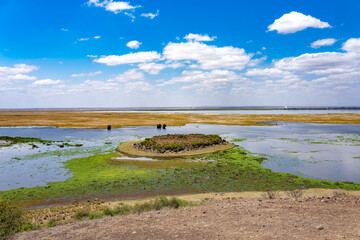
<point x="320" y="227"/>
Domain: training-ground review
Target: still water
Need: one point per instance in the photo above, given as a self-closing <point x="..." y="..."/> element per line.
<point x="258" y="111"/>
<point x="320" y="151"/>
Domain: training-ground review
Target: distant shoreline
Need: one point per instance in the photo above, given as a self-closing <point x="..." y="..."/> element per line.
<point x="209" y="108"/>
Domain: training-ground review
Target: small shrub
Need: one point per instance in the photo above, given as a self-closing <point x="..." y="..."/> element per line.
<point x="271" y="194"/>
<point x="51" y="223"/>
<point x="339" y="193"/>
<point x="80" y="215"/>
<point x="122" y="210"/>
<point x="295" y="193"/>
<point x="95" y="216"/>
<point x="108" y="212"/>
<point x="145" y="207"/>
<point x="28" y="226"/>
<point x="11" y="219"/>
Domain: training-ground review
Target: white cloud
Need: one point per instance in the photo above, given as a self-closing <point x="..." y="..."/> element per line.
<point x="257" y="61"/>
<point x="129" y="58"/>
<point x="323" y="42"/>
<point x="21" y="77"/>
<point x="117" y="7"/>
<point x="294" y="21"/>
<point x="130" y="15"/>
<point x="268" y="73"/>
<point x="98" y="86"/>
<point x="199" y="37"/>
<point x="205" y="81"/>
<point x="83" y="39"/>
<point x="352" y="45"/>
<point x="17" y="69"/>
<point x="150" y="15"/>
<point x="208" y="57"/>
<point x="310" y="63"/>
<point x="87" y="74"/>
<point x="139" y="86"/>
<point x="47" y="82"/>
<point x="92" y="56"/>
<point x="152" y="68"/>
<point x="64" y="29"/>
<point x="133" y="44"/>
<point x="16" y="73"/>
<point x="97" y="37"/>
<point x="129" y="76"/>
<point x="112" y="6"/>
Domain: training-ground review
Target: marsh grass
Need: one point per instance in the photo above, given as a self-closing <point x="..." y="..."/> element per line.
<point x="271" y="194"/>
<point x="295" y="193"/>
<point x="81" y="214"/>
<point x="73" y="119"/>
<point x="157" y="204"/>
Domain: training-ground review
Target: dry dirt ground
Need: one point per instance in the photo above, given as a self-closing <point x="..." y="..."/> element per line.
<point x="336" y="217"/>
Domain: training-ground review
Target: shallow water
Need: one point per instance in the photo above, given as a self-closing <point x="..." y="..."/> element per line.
<point x="321" y="151"/>
<point x="238" y="111"/>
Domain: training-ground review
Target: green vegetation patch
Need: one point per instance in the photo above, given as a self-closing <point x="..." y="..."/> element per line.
<point x="12" y="220"/>
<point x="225" y="171"/>
<point x="179" y="142"/>
<point x="6" y="141"/>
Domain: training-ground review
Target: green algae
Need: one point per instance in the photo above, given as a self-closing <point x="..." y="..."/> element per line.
<point x="9" y="141"/>
<point x="231" y="170"/>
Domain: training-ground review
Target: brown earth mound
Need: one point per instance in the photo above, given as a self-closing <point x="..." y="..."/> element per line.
<point x="179" y="142"/>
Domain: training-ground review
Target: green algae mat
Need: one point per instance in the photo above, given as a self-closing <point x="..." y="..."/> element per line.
<point x="224" y="171"/>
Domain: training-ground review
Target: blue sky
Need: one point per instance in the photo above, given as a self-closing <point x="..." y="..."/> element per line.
<point x="96" y="53"/>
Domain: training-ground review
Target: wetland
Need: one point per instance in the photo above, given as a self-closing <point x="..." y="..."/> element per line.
<point x="279" y="156"/>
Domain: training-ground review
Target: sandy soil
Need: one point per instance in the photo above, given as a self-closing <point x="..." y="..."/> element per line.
<point x="336" y="217"/>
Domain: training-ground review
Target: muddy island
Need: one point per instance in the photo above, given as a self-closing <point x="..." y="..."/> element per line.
<point x="175" y="145"/>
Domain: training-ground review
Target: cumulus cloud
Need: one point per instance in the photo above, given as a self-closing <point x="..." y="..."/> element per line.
<point x="257" y="61"/>
<point x="199" y="37"/>
<point x="155" y="68"/>
<point x="21" y="77"/>
<point x="133" y="44"/>
<point x="17" y="73"/>
<point x="208" y="57"/>
<point x="268" y="73"/>
<point x="129" y="76"/>
<point x="86" y="74"/>
<point x="205" y="81"/>
<point x="323" y="42"/>
<point x="310" y="63"/>
<point x="150" y="15"/>
<point x="352" y="45"/>
<point x="17" y="69"/>
<point x="152" y="68"/>
<point x="138" y="57"/>
<point x="294" y="21"/>
<point x="112" y="6"/>
<point x="140" y="86"/>
<point x="47" y="82"/>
